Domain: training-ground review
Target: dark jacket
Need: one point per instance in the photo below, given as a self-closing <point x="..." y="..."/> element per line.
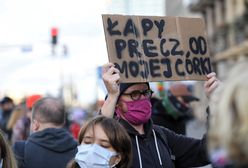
<point x="150" y="149"/>
<point x="178" y="126"/>
<point x="49" y="148"/>
<point x="161" y="116"/>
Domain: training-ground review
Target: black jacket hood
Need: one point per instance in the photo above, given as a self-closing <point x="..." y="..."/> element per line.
<point x="147" y="126"/>
<point x="54" y="139"/>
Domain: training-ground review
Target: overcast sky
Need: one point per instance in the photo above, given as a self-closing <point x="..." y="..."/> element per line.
<point x="28" y="23"/>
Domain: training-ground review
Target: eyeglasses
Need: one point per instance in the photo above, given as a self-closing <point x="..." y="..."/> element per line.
<point x="136" y="95"/>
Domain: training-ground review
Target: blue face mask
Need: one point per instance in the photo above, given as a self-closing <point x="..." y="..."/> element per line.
<point x="93" y="156"/>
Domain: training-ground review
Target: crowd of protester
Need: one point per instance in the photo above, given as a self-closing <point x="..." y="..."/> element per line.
<point x="123" y="134"/>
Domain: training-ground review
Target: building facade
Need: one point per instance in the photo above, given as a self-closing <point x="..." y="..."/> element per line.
<point x="227" y="31"/>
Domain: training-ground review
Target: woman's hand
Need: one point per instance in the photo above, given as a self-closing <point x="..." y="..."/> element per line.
<point x="111" y="77"/>
<point x="211" y="84"/>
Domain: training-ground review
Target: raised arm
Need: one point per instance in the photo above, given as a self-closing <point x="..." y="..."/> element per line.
<point x="111" y="79"/>
<point x="211" y="84"/>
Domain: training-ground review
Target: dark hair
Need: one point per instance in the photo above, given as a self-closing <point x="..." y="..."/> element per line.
<point x="118" y="138"/>
<point x="5" y="100"/>
<point x="49" y="110"/>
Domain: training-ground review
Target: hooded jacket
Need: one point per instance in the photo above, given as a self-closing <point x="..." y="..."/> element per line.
<point x="151" y="151"/>
<point x="52" y="147"/>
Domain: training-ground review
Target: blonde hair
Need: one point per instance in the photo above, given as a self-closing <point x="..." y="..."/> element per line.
<point x="7" y="156"/>
<point x="15" y="116"/>
<point x="229" y="123"/>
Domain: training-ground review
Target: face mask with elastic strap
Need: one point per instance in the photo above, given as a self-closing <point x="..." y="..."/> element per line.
<point x="93" y="155"/>
<point x="175" y="108"/>
<point x="170" y="108"/>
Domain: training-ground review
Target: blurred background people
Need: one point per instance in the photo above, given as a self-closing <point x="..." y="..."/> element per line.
<point x="21" y="128"/>
<point x="16" y="115"/>
<point x="172" y="110"/>
<point x="49" y="145"/>
<point x="77" y="118"/>
<point x="103" y="143"/>
<point x="7" y="156"/>
<point x="7" y="106"/>
<point x="228" y="132"/>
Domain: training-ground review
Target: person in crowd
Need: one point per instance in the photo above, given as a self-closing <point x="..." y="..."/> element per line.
<point x="77" y="118"/>
<point x="7" y="156"/>
<point x="103" y="143"/>
<point x="228" y="129"/>
<point x="173" y="109"/>
<point x="153" y="146"/>
<point x="49" y="144"/>
<point x="7" y="106"/>
<point x="18" y="112"/>
<point x="21" y="128"/>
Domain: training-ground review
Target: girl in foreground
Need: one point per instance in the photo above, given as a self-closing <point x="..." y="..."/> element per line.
<point x="104" y="143"/>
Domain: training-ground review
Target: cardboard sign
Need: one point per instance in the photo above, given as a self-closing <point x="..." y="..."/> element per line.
<point x="152" y="48"/>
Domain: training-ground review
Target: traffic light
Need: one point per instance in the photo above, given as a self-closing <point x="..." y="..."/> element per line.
<point x="54" y="36"/>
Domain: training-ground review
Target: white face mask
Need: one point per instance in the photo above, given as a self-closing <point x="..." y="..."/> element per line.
<point x="93" y="156"/>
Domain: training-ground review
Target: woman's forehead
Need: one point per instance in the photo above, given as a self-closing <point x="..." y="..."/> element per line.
<point x="140" y="86"/>
<point x="96" y="131"/>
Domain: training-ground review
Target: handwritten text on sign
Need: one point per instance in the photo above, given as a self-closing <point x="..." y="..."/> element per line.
<point x="148" y="48"/>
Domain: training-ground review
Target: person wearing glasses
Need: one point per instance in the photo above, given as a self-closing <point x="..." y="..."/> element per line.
<point x="152" y="146"/>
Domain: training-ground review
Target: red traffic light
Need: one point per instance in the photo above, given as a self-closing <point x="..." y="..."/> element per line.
<point x="54" y="35"/>
<point x="54" y="31"/>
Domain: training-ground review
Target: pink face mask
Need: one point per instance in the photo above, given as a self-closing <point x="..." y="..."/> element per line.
<point x="139" y="111"/>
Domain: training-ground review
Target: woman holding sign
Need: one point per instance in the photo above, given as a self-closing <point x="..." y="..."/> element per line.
<point x="153" y="146"/>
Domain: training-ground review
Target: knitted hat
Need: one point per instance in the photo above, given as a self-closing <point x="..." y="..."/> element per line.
<point x="6" y="99"/>
<point x="124" y="86"/>
<point x="30" y="100"/>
